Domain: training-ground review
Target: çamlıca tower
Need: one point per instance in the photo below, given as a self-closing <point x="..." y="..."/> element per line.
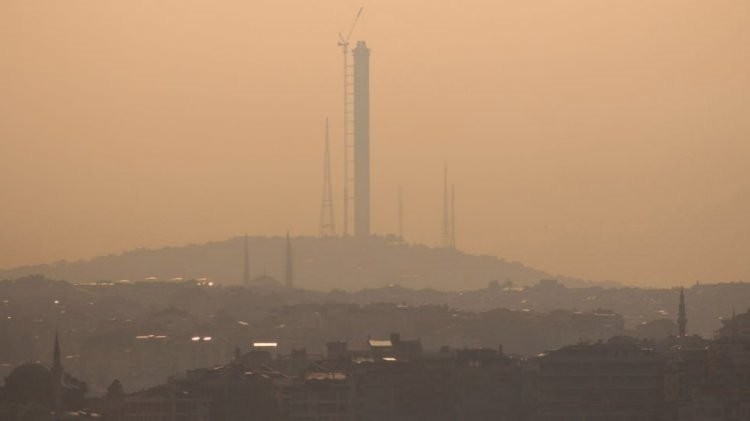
<point x="361" y="139"/>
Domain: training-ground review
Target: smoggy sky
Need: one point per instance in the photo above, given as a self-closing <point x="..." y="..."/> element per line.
<point x="597" y="139"/>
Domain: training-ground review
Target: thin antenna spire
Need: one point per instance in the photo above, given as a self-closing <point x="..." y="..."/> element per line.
<point x="449" y="209"/>
<point x="289" y="273"/>
<point x="453" y="218"/>
<point x="56" y="363"/>
<point x="246" y="269"/>
<point x="400" y="214"/>
<point x="327" y="222"/>
<point x="446" y="220"/>
<point x="57" y="376"/>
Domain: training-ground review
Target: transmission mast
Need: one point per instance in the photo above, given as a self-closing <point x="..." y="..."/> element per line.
<point x="452" y="242"/>
<point x="348" y="127"/>
<point x="446" y="211"/>
<point x="327" y="222"/>
<point x="449" y="212"/>
<point x="400" y="214"/>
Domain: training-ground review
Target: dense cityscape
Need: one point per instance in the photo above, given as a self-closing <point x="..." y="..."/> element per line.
<point x="197" y="350"/>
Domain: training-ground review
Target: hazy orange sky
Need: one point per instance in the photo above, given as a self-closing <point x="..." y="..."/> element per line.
<point x="597" y="139"/>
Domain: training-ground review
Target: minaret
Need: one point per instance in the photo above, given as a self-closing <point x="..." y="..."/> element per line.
<point x="681" y="316"/>
<point x="289" y="273"/>
<point x="361" y="139"/>
<point x="57" y="376"/>
<point x="246" y="270"/>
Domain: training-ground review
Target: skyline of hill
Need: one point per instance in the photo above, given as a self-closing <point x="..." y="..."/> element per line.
<point x="319" y="263"/>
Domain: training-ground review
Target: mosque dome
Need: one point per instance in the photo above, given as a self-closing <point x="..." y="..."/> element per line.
<point x="30" y="382"/>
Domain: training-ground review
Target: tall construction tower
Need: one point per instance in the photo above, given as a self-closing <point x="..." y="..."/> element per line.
<point x="327" y="222"/>
<point x="361" y="139"/>
<point x="349" y="174"/>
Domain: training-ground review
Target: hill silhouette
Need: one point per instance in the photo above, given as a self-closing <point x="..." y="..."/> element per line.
<point x="320" y="263"/>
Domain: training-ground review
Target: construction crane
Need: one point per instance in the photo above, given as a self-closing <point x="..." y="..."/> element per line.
<point x="344" y="42"/>
<point x="348" y="125"/>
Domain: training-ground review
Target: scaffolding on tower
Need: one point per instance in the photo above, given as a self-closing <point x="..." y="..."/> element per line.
<point x="348" y="129"/>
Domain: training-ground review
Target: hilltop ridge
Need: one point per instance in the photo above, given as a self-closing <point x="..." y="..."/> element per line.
<point x="320" y="263"/>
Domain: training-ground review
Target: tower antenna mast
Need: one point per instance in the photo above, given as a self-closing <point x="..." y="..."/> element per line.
<point x="452" y="243"/>
<point x="400" y="214"/>
<point x="327" y="222"/>
<point x="446" y="211"/>
<point x="348" y="125"/>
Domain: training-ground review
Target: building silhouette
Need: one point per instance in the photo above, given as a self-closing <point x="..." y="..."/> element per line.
<point x="736" y="328"/>
<point x="614" y="380"/>
<point x="33" y="391"/>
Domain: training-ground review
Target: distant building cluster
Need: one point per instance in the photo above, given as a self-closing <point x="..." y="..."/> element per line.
<point x="241" y="353"/>
<point x="683" y="378"/>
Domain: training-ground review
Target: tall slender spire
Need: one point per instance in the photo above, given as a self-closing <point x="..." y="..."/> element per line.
<point x="246" y="269"/>
<point x="449" y="208"/>
<point x="446" y="216"/>
<point x="57" y="376"/>
<point x="289" y="273"/>
<point x="400" y="214"/>
<point x="56" y="363"/>
<point x="682" y="316"/>
<point x="452" y="242"/>
<point x="327" y="223"/>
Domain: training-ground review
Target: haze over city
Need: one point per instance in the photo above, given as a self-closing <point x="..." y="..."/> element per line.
<point x="374" y="211"/>
<point x="598" y="140"/>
